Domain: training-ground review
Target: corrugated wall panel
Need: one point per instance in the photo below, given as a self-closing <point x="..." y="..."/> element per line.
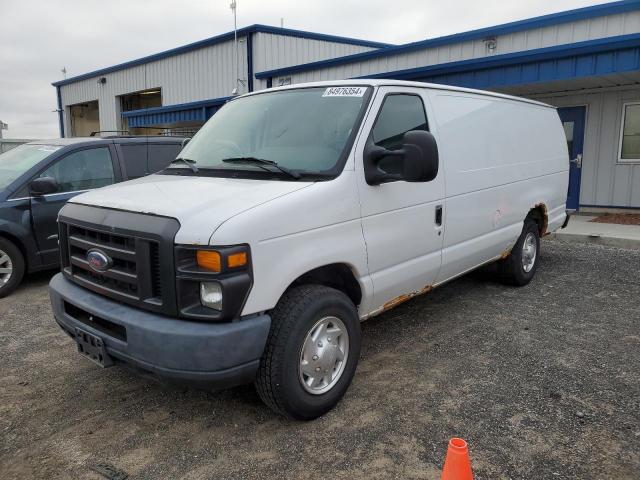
<point x="572" y="32"/>
<point x="276" y="51"/>
<point x="604" y="181"/>
<point x="197" y="75"/>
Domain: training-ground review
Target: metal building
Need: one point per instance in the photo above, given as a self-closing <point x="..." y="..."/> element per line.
<point x="585" y="61"/>
<point x="183" y="87"/>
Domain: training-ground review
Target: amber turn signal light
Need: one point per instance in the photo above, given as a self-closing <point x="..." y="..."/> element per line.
<point x="209" y="259"/>
<point x="237" y="260"/>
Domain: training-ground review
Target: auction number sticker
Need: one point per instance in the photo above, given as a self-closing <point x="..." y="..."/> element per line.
<point x="344" y="92"/>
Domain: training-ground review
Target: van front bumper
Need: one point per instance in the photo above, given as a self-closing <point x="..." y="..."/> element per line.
<point x="215" y="355"/>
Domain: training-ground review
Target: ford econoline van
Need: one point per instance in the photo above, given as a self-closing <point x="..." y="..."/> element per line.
<point x="294" y="214"/>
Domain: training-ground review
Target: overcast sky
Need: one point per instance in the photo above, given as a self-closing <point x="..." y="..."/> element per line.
<point x="39" y="37"/>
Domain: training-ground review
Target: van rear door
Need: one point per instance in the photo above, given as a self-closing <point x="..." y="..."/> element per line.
<point x="401" y="221"/>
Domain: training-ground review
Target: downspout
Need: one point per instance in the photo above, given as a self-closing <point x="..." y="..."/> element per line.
<point x="250" y="62"/>
<point x="60" y="112"/>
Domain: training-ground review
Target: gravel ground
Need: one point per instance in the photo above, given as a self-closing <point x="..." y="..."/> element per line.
<point x="542" y="381"/>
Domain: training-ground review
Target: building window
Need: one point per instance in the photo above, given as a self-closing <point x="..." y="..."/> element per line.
<point x="630" y="133"/>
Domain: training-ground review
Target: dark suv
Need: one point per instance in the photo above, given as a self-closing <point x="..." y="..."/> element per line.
<point x="37" y="178"/>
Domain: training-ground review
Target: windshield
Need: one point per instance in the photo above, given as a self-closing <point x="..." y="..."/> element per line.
<point x="18" y="160"/>
<point x="304" y="131"/>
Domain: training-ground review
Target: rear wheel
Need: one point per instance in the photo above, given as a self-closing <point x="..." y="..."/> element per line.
<point x="311" y="353"/>
<point x="520" y="266"/>
<point x="11" y="267"/>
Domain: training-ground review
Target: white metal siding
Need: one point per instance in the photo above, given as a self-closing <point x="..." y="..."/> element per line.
<point x="201" y="74"/>
<point x="578" y="31"/>
<point x="604" y="181"/>
<point x="271" y="51"/>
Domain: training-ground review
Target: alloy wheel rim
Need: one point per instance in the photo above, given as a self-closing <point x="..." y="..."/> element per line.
<point x="323" y="356"/>
<point x="6" y="268"/>
<point x="529" y="252"/>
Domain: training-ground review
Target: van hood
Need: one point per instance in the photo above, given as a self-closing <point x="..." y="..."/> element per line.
<point x="200" y="204"/>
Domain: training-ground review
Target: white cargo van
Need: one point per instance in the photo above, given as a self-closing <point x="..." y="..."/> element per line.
<point x="293" y="214"/>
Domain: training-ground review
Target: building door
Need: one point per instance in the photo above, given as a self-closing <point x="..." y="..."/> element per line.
<point x="573" y="120"/>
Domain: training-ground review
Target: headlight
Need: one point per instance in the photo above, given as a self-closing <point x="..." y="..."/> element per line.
<point x="212" y="282"/>
<point x="211" y="295"/>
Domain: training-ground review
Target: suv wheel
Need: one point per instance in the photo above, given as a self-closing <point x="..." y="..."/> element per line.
<point x="520" y="266"/>
<point x="311" y="353"/>
<point x="11" y="267"/>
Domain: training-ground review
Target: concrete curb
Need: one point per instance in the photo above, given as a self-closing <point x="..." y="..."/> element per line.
<point x="596" y="239"/>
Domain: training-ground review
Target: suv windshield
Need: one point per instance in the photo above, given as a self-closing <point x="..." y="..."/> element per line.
<point x="304" y="131"/>
<point x="18" y="160"/>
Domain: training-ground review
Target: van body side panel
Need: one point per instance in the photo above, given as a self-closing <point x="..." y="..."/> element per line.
<point x="294" y="234"/>
<point x="502" y="158"/>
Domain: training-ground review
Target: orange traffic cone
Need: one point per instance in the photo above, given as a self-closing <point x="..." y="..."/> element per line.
<point x="457" y="465"/>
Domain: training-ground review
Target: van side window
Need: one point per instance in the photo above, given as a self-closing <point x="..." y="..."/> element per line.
<point x="400" y="113"/>
<point x="83" y="170"/>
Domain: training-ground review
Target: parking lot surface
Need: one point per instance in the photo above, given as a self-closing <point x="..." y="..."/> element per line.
<point x="542" y="381"/>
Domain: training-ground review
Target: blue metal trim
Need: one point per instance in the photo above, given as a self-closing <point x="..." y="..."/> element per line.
<point x="60" y="113"/>
<point x="186" y="112"/>
<point x="536" y="22"/>
<point x="178" y="107"/>
<point x="288" y="32"/>
<point x="250" y="62"/>
<point x="589" y="47"/>
<point x="219" y="39"/>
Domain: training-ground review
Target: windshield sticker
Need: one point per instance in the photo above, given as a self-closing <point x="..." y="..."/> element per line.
<point x="48" y="148"/>
<point x="344" y="92"/>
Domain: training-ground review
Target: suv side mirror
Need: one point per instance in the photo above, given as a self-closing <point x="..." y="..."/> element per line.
<point x="43" y="186"/>
<point x="419" y="155"/>
<point x="185" y="141"/>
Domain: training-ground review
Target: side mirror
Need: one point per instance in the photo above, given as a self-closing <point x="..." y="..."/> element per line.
<point x="43" y="186"/>
<point x="185" y="141"/>
<point x="419" y="157"/>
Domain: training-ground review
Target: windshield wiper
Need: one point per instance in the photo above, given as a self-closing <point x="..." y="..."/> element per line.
<point x="190" y="163"/>
<point x="262" y="161"/>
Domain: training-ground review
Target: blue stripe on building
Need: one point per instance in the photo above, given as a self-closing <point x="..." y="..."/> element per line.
<point x="584" y="59"/>
<point x="186" y="112"/>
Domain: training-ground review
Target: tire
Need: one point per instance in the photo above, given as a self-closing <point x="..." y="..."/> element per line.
<point x="281" y="374"/>
<point x="10" y="259"/>
<point x="514" y="270"/>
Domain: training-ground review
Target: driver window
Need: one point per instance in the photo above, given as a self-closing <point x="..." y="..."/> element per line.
<point x="82" y="170"/>
<point x="400" y="113"/>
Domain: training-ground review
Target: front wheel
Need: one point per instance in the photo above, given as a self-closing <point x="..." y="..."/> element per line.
<point x="520" y="266"/>
<point x="311" y="353"/>
<point x="11" y="267"/>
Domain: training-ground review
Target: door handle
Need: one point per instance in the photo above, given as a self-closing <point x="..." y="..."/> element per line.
<point x="439" y="215"/>
<point x="52" y="237"/>
<point x="577" y="161"/>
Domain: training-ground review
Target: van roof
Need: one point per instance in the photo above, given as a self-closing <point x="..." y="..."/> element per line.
<point x="403" y="83"/>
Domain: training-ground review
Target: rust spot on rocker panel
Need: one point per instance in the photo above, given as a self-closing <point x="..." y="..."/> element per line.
<point x="505" y="254"/>
<point x="403" y="298"/>
<point x="545" y="218"/>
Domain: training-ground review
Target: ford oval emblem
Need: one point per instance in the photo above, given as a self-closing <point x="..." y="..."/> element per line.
<point x="98" y="261"/>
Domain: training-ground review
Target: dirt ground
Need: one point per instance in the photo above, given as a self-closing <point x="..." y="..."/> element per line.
<point x="542" y="381"/>
<point x="619" y="218"/>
